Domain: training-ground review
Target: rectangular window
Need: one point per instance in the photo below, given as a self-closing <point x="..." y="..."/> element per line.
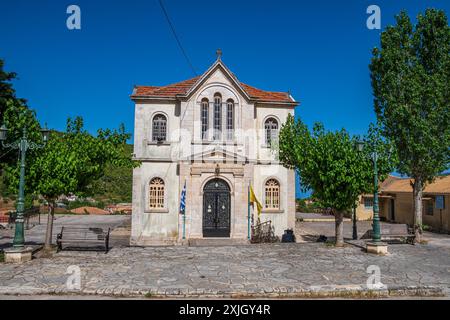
<point x="429" y="207"/>
<point x="368" y="203"/>
<point x="440" y="202"/>
<point x="230" y="120"/>
<point x="217" y="119"/>
<point x="205" y="107"/>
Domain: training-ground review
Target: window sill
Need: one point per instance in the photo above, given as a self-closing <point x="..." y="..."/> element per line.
<point x="154" y="143"/>
<point x="220" y="142"/>
<point x="157" y="210"/>
<point x="270" y="211"/>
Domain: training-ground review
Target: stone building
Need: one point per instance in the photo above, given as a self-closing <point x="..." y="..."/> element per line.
<point x="217" y="136"/>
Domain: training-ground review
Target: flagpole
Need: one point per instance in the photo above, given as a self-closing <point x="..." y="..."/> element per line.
<point x="183" y="208"/>
<point x="184" y="225"/>
<point x="248" y="212"/>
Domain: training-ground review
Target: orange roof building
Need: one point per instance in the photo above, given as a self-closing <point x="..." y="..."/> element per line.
<point x="214" y="135"/>
<point x="396" y="203"/>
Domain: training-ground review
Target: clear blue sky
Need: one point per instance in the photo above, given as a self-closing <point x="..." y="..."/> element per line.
<point x="319" y="50"/>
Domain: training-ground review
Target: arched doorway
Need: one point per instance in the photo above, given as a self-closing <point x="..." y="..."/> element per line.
<point x="216" y="209"/>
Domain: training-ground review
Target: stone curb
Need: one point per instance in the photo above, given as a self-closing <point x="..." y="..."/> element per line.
<point x="343" y="291"/>
<point x="321" y="220"/>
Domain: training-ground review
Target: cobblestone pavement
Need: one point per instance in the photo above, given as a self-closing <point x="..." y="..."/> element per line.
<point x="238" y="271"/>
<point x="310" y="231"/>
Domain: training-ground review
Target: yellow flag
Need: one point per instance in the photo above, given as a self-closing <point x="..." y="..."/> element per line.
<point x="254" y="200"/>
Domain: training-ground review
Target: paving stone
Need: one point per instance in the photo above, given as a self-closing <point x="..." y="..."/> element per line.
<point x="241" y="270"/>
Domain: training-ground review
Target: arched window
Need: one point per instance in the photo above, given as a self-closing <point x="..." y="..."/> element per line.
<point x="205" y="117"/>
<point x="217" y="116"/>
<point x="271" y="128"/>
<point x="230" y="119"/>
<point x="159" y="128"/>
<point x="272" y="194"/>
<point x="156" y="193"/>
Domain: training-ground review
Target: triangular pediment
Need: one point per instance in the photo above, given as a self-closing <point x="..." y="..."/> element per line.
<point x="216" y="155"/>
<point x="219" y="68"/>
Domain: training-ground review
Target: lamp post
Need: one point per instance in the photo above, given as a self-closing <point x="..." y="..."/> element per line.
<point x="355" y="230"/>
<point x="22" y="145"/>
<point x="376" y="246"/>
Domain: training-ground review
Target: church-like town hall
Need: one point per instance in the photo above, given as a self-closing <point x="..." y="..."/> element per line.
<point x="216" y="138"/>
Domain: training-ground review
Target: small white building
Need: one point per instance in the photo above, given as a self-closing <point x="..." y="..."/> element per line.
<point x="218" y="136"/>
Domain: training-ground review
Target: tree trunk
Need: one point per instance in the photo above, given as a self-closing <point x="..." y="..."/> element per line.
<point x="417" y="198"/>
<point x="339" y="217"/>
<point x="49" y="233"/>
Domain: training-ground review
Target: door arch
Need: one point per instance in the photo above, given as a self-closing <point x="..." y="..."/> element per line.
<point x="216" y="209"/>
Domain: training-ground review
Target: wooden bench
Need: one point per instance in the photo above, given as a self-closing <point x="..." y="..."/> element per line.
<point x="83" y="236"/>
<point x="394" y="232"/>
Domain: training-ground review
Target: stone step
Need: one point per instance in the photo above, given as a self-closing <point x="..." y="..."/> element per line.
<point x="217" y="242"/>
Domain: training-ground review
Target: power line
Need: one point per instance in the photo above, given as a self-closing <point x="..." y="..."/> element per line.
<point x="1" y="156"/>
<point x="176" y="37"/>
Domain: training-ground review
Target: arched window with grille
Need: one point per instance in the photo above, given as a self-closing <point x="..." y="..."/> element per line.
<point x="272" y="194"/>
<point x="205" y="117"/>
<point x="156" y="193"/>
<point x="217" y="116"/>
<point x="230" y="119"/>
<point x="271" y="129"/>
<point x="159" y="128"/>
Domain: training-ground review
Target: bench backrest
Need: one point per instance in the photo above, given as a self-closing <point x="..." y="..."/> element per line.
<point x="389" y="229"/>
<point x="83" y="233"/>
<point x="394" y="229"/>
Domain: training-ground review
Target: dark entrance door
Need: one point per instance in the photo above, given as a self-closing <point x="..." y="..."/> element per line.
<point x="216" y="209"/>
<point x="392" y="208"/>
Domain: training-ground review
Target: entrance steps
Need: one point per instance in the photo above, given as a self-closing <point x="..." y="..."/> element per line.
<point x="217" y="242"/>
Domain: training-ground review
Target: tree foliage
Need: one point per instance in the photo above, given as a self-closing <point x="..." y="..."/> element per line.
<point x="15" y="114"/>
<point x="410" y="76"/>
<point x="329" y="164"/>
<point x="116" y="184"/>
<point x="71" y="161"/>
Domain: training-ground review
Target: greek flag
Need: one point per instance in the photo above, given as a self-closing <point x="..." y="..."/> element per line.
<point x="183" y="200"/>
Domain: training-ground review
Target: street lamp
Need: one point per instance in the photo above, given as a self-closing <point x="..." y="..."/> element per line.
<point x="376" y="246"/>
<point x="22" y="145"/>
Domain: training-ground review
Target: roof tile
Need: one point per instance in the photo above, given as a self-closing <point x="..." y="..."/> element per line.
<point x="183" y="87"/>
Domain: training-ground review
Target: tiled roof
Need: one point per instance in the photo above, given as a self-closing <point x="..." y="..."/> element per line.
<point x="171" y="90"/>
<point x="269" y="96"/>
<point x="183" y="87"/>
<point x="394" y="184"/>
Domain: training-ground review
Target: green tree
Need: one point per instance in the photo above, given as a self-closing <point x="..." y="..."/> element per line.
<point x="7" y="91"/>
<point x="116" y="184"/>
<point x="16" y="115"/>
<point x="410" y="76"/>
<point x="329" y="164"/>
<point x="72" y="160"/>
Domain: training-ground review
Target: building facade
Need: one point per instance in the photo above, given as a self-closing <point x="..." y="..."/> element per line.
<point x="396" y="203"/>
<point x="216" y="136"/>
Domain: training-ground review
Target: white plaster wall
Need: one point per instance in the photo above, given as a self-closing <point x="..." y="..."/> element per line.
<point x="243" y="115"/>
<point x="144" y="148"/>
<point x="163" y="224"/>
<point x="263" y="113"/>
<point x="285" y="218"/>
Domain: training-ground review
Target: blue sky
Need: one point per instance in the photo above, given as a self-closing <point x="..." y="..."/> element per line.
<point x="319" y="50"/>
